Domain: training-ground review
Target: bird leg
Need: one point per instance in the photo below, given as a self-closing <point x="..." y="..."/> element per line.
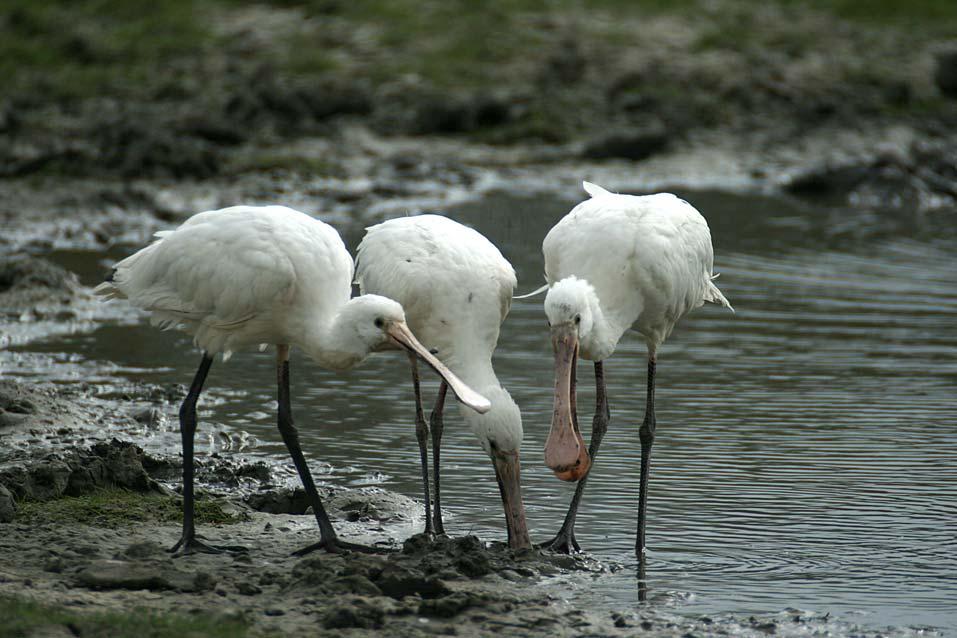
<point x="646" y="434"/>
<point x="435" y="422"/>
<point x="422" y="434"/>
<point x="290" y="436"/>
<point x="565" y="540"/>
<point x="642" y="579"/>
<point x="188" y="542"/>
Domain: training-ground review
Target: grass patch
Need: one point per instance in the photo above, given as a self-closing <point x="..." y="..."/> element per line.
<point x="938" y="15"/>
<point x="107" y="508"/>
<point x="82" y="48"/>
<point x="23" y="618"/>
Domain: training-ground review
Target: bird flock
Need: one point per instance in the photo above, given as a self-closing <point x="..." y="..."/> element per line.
<point x="249" y="276"/>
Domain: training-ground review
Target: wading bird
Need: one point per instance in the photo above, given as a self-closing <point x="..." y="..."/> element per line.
<point x="616" y="262"/>
<point x="456" y="288"/>
<point x="245" y="276"/>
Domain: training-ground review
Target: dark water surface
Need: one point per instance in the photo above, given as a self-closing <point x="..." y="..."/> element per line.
<point x="807" y="446"/>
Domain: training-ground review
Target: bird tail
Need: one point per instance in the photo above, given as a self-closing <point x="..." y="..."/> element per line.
<point x="108" y="289"/>
<point x="533" y="293"/>
<point x="112" y="287"/>
<point x="595" y="190"/>
<point x="714" y="295"/>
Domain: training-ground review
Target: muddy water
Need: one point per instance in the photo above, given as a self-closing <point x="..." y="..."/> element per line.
<point x="807" y="446"/>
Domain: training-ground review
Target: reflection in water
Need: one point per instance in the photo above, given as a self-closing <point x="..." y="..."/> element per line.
<point x="805" y="454"/>
<point x="642" y="578"/>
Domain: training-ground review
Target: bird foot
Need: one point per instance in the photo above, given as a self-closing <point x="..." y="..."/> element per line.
<point x="192" y="545"/>
<point x="337" y="546"/>
<point x="563" y="543"/>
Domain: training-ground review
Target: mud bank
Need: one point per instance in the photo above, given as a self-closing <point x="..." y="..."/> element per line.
<point x="388" y="117"/>
<point x="456" y="586"/>
<point x="85" y="523"/>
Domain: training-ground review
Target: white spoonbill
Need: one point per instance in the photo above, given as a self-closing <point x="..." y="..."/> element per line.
<point x="248" y="275"/>
<point x="617" y="262"/>
<point x="456" y="288"/>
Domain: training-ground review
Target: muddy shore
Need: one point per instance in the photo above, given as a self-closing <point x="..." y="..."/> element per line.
<point x="800" y="103"/>
<point x="85" y="531"/>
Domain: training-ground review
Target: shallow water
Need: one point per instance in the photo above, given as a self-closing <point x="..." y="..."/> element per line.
<point x="807" y="446"/>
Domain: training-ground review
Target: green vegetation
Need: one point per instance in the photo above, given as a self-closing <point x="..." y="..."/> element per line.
<point x="276" y="160"/>
<point x="82" y="48"/>
<point x="25" y="618"/>
<point x="939" y="15"/>
<point x="78" y="48"/>
<point x="112" y="507"/>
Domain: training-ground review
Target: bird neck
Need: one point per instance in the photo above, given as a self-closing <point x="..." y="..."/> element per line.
<point x="502" y="424"/>
<point x="335" y="344"/>
<point x="599" y="343"/>
<point x="476" y="371"/>
<point x="500" y="429"/>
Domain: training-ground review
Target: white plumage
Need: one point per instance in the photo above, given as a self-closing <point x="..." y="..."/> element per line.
<point x="248" y="275"/>
<point x="456" y="288"/>
<point x="647" y="258"/>
<point x="239" y="276"/>
<point x="617" y="262"/>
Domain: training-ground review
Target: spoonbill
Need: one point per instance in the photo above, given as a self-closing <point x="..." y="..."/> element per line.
<point x="249" y="275"/>
<point x="456" y="288"/>
<point x="616" y="262"/>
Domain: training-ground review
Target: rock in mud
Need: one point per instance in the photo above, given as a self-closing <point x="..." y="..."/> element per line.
<point x="8" y="506"/>
<point x="466" y="556"/>
<point x="79" y="472"/>
<point x="417" y="108"/>
<point x="355" y="584"/>
<point x="360" y="613"/>
<point x="372" y="503"/>
<point x="16" y="408"/>
<point x="281" y="501"/>
<point x="147" y="549"/>
<point x="945" y="75"/>
<point x="633" y="144"/>
<point x="398" y="581"/>
<point x="249" y="589"/>
<point x="28" y="282"/>
<point x="138" y="142"/>
<point x="447" y="606"/>
<point x="920" y="176"/>
<point x="51" y="631"/>
<point x="152" y="575"/>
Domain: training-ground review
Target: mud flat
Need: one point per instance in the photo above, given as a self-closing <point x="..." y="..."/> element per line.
<point x="84" y="530"/>
<point x="356" y="121"/>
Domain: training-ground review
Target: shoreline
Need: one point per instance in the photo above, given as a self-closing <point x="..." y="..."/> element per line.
<point x="94" y="523"/>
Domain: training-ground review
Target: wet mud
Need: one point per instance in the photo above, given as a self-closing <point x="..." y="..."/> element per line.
<point x="65" y="543"/>
<point x="103" y="174"/>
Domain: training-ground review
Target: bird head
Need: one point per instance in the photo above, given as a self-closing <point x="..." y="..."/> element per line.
<point x="569" y="308"/>
<point x="379" y="324"/>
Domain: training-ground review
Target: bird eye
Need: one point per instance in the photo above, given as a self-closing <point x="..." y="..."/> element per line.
<point x="578" y="319"/>
<point x="379" y="322"/>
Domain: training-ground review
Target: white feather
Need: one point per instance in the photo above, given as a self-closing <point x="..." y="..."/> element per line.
<point x="456" y="288"/>
<point x="648" y="258"/>
<point x="595" y="190"/>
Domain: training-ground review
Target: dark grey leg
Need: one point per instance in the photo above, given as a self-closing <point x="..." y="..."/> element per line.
<point x="290" y="436"/>
<point x="647" y="436"/>
<point x="435" y="422"/>
<point x="188" y="542"/>
<point x="422" y="434"/>
<point x="642" y="582"/>
<point x="565" y="540"/>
